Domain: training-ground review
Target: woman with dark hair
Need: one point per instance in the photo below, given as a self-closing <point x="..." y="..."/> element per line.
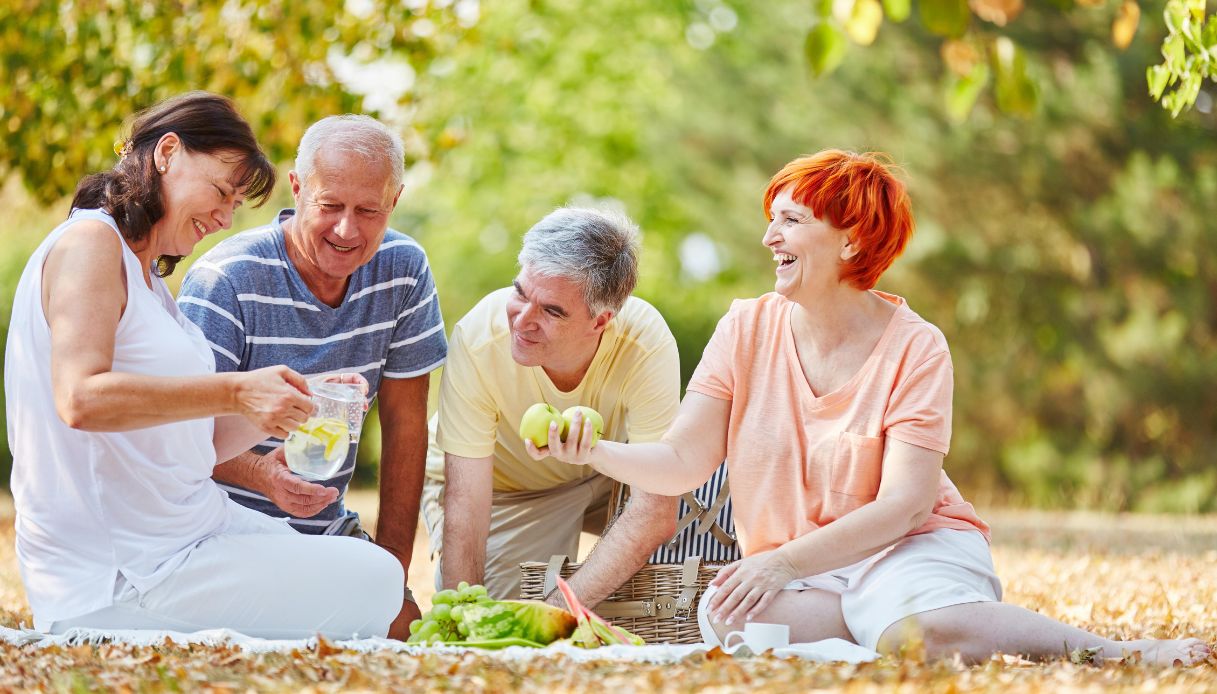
<point x="831" y="403"/>
<point x="116" y="416"/>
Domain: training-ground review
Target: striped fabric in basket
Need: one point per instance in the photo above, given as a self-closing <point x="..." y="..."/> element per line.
<point x="698" y="537"/>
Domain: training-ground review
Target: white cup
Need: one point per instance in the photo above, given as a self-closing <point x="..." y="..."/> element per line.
<point x="759" y="637"/>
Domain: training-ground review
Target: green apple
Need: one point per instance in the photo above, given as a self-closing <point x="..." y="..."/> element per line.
<point x="588" y="415"/>
<point x="534" y="425"/>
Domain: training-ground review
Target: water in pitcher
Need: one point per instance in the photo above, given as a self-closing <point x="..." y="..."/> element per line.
<point x="317" y="450"/>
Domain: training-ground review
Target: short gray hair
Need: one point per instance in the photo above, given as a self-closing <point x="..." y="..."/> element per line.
<point x="353" y="134"/>
<point x="597" y="249"/>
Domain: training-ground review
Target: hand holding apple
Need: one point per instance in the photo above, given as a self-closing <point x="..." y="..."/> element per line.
<point x="534" y="425"/>
<point x="546" y="433"/>
<point x="589" y="415"/>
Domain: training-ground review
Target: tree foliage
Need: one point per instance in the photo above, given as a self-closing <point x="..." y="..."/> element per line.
<point x="982" y="46"/>
<point x="72" y="72"/>
<point x="1067" y="254"/>
<point x="1189" y="55"/>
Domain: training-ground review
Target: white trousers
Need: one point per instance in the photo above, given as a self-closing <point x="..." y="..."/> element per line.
<point x="919" y="573"/>
<point x="263" y="579"/>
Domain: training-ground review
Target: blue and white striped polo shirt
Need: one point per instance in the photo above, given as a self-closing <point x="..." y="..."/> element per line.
<point x="256" y="311"/>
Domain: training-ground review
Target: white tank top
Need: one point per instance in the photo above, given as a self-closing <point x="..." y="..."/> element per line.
<point x="93" y="505"/>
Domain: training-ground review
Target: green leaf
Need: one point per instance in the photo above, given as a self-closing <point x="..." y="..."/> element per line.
<point x="496" y="644"/>
<point x="1174" y="15"/>
<point x="961" y="93"/>
<point x="1158" y="77"/>
<point x="1174" y="52"/>
<point x="1016" y="93"/>
<point x="1196" y="8"/>
<point x="897" y="10"/>
<point x="825" y="48"/>
<point x="1209" y="36"/>
<point x="1173" y="103"/>
<point x="1190" y="88"/>
<point x="946" y="17"/>
<point x="822" y="8"/>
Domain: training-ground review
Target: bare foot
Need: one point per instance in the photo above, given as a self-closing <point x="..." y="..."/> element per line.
<point x="1184" y="652"/>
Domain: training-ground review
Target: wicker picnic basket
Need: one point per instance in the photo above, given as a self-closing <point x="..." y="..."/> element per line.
<point x="659" y="603"/>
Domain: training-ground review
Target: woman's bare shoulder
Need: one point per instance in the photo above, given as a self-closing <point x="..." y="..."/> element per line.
<point x="89" y="234"/>
<point x="87" y="256"/>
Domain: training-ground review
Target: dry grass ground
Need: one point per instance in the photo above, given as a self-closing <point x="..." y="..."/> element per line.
<point x="1122" y="576"/>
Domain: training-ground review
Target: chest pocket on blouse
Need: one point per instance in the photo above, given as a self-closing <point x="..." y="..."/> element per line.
<point x="857" y="466"/>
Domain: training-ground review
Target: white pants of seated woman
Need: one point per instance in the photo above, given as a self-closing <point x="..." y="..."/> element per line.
<point x="919" y="573"/>
<point x="265" y="580"/>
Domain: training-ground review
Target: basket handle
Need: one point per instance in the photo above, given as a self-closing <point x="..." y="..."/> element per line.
<point x="705" y="517"/>
<point x="556" y="563"/>
<point x="678" y="608"/>
<point x="688" y="588"/>
<point x="708" y="518"/>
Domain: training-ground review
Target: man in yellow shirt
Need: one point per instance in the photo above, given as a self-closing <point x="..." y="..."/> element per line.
<point x="567" y="332"/>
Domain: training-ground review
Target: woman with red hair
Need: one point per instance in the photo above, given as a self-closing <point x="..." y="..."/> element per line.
<point x="831" y="403"/>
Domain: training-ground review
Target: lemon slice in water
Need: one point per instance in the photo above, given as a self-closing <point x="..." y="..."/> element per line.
<point x="328" y="431"/>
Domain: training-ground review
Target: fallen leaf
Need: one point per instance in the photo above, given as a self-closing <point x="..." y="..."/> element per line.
<point x="325" y="648"/>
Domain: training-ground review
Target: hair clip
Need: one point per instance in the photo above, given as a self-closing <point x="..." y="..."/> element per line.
<point x="122" y="147"/>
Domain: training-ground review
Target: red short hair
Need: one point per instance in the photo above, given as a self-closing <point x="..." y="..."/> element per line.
<point x="859" y="194"/>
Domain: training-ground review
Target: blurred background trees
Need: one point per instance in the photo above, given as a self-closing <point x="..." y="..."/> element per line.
<point x="1065" y="220"/>
<point x="982" y="46"/>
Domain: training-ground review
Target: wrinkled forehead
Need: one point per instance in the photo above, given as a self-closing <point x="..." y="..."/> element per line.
<point x="352" y="178"/>
<point x="552" y="288"/>
<point x="334" y="158"/>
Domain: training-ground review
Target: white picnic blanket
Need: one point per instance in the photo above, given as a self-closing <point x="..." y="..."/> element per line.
<point x="830" y="650"/>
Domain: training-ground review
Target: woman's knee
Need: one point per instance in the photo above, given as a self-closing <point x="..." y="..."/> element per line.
<point x="374" y="588"/>
<point x="812" y="615"/>
<point x="382" y="573"/>
<point x="360" y="573"/>
<point x="936" y="633"/>
<point x="901" y="634"/>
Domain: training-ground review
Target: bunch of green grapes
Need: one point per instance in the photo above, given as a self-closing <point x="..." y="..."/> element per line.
<point x="443" y="623"/>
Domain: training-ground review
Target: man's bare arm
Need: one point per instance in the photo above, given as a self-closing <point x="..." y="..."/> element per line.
<point x="647" y="521"/>
<point x="403" y="459"/>
<point x="269" y="476"/>
<point x="403" y="432"/>
<point x="467" y="494"/>
<point x="241" y="471"/>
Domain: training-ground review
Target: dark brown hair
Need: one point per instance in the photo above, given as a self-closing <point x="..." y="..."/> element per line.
<point x="131" y="191"/>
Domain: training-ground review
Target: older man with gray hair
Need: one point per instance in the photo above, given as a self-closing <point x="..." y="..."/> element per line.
<point x="567" y="332"/>
<point x="328" y="289"/>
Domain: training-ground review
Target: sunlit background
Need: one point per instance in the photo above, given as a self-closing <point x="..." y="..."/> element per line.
<point x="1066" y="223"/>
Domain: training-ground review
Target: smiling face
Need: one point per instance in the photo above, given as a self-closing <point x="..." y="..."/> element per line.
<point x="550" y="323"/>
<point x="199" y="198"/>
<point x="808" y="251"/>
<point x="342" y="213"/>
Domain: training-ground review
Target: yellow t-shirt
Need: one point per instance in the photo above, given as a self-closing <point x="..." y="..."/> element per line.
<point x="633" y="382"/>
